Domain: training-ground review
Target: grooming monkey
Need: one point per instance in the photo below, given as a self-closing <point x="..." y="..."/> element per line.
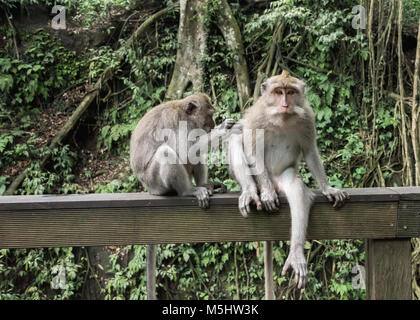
<point x="283" y="112"/>
<point x="158" y="164"/>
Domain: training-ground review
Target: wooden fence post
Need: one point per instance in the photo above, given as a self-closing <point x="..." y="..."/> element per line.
<point x="268" y="270"/>
<point x="388" y="269"/>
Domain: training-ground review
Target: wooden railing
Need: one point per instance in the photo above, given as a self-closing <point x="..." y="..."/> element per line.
<point x="387" y="217"/>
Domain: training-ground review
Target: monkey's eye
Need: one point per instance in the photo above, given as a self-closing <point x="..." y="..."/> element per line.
<point x="291" y="92"/>
<point x="278" y="91"/>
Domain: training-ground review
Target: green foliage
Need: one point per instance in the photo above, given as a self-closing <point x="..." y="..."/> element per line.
<point x="91" y="12"/>
<point x="143" y="89"/>
<point x="59" y="177"/>
<point x="15" y="3"/>
<point x="101" y="59"/>
<point x="28" y="273"/>
<point x="128" y="282"/>
<point x="44" y="68"/>
<point x="235" y="271"/>
<point x="411" y="13"/>
<point x="130" y="184"/>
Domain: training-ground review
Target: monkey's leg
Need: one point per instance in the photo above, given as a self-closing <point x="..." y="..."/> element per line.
<point x="300" y="200"/>
<point x="313" y="160"/>
<point x="166" y="173"/>
<point x="175" y="177"/>
<point x="240" y="171"/>
<point x="160" y="177"/>
<point x="200" y="173"/>
<point x="268" y="194"/>
<point x="151" y="271"/>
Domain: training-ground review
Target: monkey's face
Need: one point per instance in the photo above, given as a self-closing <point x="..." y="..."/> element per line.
<point x="200" y="111"/>
<point x="285" y="99"/>
<point x="282" y="94"/>
<point x="209" y="123"/>
<point x="281" y="100"/>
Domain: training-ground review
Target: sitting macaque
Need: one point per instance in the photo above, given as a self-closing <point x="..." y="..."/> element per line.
<point x="165" y="158"/>
<point x="283" y="112"/>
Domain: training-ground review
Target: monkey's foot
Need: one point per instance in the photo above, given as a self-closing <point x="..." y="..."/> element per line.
<point x="335" y="195"/>
<point x="203" y="196"/>
<point x="297" y="262"/>
<point x="270" y="200"/>
<point x="245" y="199"/>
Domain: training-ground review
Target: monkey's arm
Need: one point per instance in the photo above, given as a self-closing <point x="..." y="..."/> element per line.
<point x="200" y="173"/>
<point x="223" y="131"/>
<point x="313" y="160"/>
<point x="240" y="171"/>
<point x="268" y="194"/>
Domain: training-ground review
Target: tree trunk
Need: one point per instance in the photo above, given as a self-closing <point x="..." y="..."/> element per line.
<point x="192" y="39"/>
<point x="230" y="30"/>
<point x="98" y="264"/>
<point x="415" y="112"/>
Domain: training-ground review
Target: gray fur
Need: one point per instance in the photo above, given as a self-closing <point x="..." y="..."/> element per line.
<point x="147" y="157"/>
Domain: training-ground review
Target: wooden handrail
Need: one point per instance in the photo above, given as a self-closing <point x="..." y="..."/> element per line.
<point x="387" y="217"/>
<point x="140" y="218"/>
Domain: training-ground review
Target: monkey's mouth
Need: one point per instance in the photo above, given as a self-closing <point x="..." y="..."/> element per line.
<point x="284" y="109"/>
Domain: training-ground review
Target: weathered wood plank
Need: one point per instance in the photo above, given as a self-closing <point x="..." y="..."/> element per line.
<point x="389" y="269"/>
<point x="115" y="200"/>
<point x="143" y="225"/>
<point x="408" y="219"/>
<point x="139" y="218"/>
<point x="407" y="193"/>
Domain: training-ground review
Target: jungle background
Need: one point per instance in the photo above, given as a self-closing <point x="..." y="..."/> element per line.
<point x="69" y="100"/>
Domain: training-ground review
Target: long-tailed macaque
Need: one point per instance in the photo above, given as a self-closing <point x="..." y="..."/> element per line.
<point x="162" y="153"/>
<point x="283" y="112"/>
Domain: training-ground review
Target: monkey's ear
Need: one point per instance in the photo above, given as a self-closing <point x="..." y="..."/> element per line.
<point x="263" y="87"/>
<point x="192" y="107"/>
<point x="301" y="86"/>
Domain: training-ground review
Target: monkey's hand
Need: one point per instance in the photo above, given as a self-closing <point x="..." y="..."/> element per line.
<point x="203" y="196"/>
<point x="245" y="199"/>
<point x="296" y="261"/>
<point x="335" y="196"/>
<point x="228" y="127"/>
<point x="227" y="124"/>
<point x="237" y="128"/>
<point x="270" y="200"/>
